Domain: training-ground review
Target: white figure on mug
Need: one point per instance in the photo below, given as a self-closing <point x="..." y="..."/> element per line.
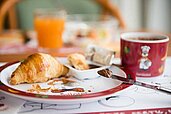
<point x="145" y="62"/>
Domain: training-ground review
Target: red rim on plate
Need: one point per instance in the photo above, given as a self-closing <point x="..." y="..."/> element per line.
<point x="16" y="92"/>
<point x="89" y="95"/>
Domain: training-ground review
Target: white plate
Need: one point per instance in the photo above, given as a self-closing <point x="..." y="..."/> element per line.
<point x="95" y="89"/>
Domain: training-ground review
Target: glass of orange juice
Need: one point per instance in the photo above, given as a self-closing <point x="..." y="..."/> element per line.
<point x="49" y="25"/>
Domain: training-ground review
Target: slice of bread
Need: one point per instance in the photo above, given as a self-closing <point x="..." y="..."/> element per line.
<point x="11" y="37"/>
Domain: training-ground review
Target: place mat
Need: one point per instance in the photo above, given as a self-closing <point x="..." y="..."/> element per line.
<point x="10" y="104"/>
<point x="134" y="100"/>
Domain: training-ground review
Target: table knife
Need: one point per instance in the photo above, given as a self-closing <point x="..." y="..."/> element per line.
<point x="108" y="74"/>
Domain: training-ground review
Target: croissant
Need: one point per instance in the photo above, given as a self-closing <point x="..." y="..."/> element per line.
<point x="38" y="67"/>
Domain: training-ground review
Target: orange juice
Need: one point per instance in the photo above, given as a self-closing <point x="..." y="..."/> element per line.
<point x="49" y="31"/>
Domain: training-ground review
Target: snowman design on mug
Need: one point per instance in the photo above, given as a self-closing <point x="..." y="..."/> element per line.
<point x="145" y="62"/>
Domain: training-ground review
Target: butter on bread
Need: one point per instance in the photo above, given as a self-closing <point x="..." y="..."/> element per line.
<point x="78" y="61"/>
<point x="38" y="67"/>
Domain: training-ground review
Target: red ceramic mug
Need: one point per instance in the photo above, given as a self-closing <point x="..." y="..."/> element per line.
<point x="143" y="54"/>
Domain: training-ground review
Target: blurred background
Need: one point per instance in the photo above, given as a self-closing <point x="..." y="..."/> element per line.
<point x="137" y="14"/>
<point x="88" y="21"/>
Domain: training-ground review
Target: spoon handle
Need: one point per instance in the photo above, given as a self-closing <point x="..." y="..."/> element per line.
<point x="158" y="88"/>
<point x="138" y="83"/>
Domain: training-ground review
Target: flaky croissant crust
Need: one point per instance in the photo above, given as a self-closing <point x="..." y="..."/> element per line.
<point x="38" y="67"/>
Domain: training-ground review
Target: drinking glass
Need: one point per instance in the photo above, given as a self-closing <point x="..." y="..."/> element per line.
<point x="49" y="25"/>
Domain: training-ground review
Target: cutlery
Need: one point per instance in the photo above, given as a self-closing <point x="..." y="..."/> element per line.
<point x="108" y="74"/>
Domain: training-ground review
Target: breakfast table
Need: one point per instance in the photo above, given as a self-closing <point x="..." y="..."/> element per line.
<point x="130" y="100"/>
